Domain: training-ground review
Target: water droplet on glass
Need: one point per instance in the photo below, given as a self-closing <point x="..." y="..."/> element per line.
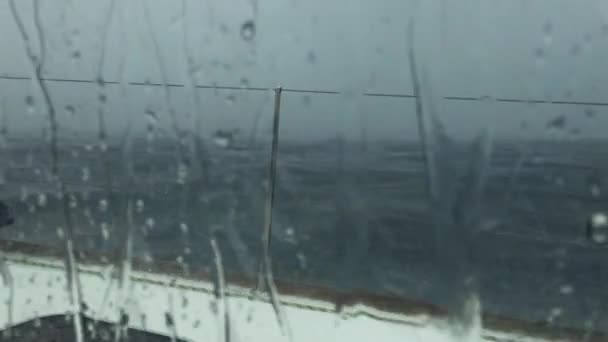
<point x="102" y="98"/>
<point x="103" y="204"/>
<point x="539" y="53"/>
<point x="86" y="173"/>
<point x="589" y="112"/>
<point x="290" y="235"/>
<point x="150" y="222"/>
<point x="194" y="68"/>
<point x="100" y="82"/>
<point x="555" y="313"/>
<point x="169" y="320"/>
<point x="182" y="173"/>
<point x="139" y="205"/>
<point x="60" y="232"/>
<point x="70" y="110"/>
<point x="230" y="99"/>
<point x="223" y="29"/>
<point x="183" y="227"/>
<point x="42" y="200"/>
<point x="30" y="102"/>
<point x="597" y="228"/>
<point x="76" y="54"/>
<point x="548" y="32"/>
<point x="148" y="257"/>
<point x="566" y="289"/>
<point x="224" y="138"/>
<point x="548" y="27"/>
<point x="248" y="30"/>
<point x="73" y="202"/>
<point x="244" y="82"/>
<point x="105" y="232"/>
<point x="301" y="260"/>
<point x="558" y="123"/>
<point x="575" y="49"/>
<point x="487" y="99"/>
<point x="594" y="189"/>
<point x="311" y="57"/>
<point x="151" y="116"/>
<point x="150" y="129"/>
<point x="306" y="101"/>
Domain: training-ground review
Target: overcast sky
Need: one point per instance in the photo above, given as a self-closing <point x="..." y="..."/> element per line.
<point x="551" y="49"/>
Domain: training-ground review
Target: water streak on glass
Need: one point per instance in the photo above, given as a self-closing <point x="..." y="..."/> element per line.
<point x="454" y="211"/>
<point x="8" y="281"/>
<point x="220" y="291"/>
<point x="165" y="82"/>
<point x="265" y="276"/>
<point x="198" y="151"/>
<point x="35" y="64"/>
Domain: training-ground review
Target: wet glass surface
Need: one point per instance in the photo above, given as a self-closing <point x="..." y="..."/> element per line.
<point x="429" y="156"/>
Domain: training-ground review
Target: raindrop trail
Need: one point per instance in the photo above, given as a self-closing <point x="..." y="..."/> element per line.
<point x="265" y="265"/>
<point x="9" y="281"/>
<point x="124" y="265"/>
<point x="170" y="316"/>
<point x="125" y="274"/>
<point x="421" y="118"/>
<point x="312" y="91"/>
<point x="248" y="30"/>
<point x="453" y="210"/>
<point x="221" y="288"/>
<point x="102" y="134"/>
<point x="256" y="121"/>
<point x="200" y="150"/>
<point x="182" y="160"/>
<point x="35" y="64"/>
<point x="107" y="275"/>
<point x="165" y="84"/>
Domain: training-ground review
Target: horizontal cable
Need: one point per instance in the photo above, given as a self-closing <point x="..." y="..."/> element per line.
<point x="313" y="91"/>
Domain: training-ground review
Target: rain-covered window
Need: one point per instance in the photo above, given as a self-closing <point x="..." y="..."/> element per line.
<point x="244" y="170"/>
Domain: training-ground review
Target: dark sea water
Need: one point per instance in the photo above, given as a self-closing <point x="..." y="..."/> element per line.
<point x="347" y="216"/>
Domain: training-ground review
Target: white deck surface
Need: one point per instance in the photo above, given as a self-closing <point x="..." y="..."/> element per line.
<point x="39" y="289"/>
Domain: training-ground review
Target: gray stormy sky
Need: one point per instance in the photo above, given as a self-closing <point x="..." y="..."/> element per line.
<point x="510" y="49"/>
